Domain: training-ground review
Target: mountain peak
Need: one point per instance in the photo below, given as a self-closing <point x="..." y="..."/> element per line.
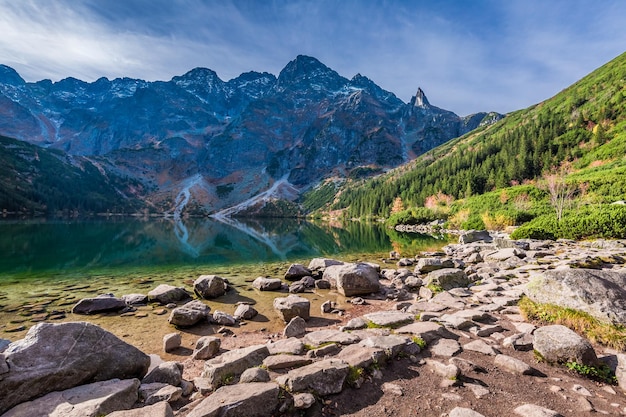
<point x="420" y="99"/>
<point x="309" y="72"/>
<point x="9" y="76"/>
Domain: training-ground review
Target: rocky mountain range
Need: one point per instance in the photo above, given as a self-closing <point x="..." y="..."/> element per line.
<point x="198" y="144"/>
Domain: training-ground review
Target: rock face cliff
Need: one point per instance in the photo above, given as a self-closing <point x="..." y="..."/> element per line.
<point x="199" y="143"/>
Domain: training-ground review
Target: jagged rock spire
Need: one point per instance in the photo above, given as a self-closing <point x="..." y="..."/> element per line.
<point x="420" y="99"/>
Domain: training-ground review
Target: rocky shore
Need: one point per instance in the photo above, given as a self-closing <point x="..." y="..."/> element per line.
<point x="437" y="334"/>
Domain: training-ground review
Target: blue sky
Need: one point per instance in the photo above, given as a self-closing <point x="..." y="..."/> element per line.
<point x="468" y="56"/>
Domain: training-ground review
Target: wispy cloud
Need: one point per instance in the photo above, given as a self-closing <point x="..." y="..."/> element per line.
<point x="480" y="55"/>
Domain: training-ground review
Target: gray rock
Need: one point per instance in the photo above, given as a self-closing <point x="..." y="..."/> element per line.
<point x="481" y="347"/>
<point x="322" y="284"/>
<point x="170" y="373"/>
<point x="320" y="264"/>
<point x="320" y="337"/>
<point x="426" y="265"/>
<point x="55" y="357"/>
<point x="355" y="324"/>
<point x="558" y="344"/>
<point x="450" y="371"/>
<point x="167" y="393"/>
<point x="297" y="287"/>
<point x="322" y="378"/>
<point x="392" y="344"/>
<point x="472" y="236"/>
<point x="504" y="254"/>
<point x="447" y="278"/>
<point x="303" y="401"/>
<point x="297" y="271"/>
<point x="295" y="328"/>
<point x="601" y="293"/>
<point x="308" y="281"/>
<point x="209" y="286"/>
<point x="284" y="361"/>
<point x="445" y="347"/>
<point x="513" y="365"/>
<point x="359" y="356"/>
<point x="353" y="279"/>
<point x="135" y="299"/>
<point x="233" y="363"/>
<point x="620" y="370"/>
<point x="413" y="283"/>
<point x="254" y="375"/>
<point x="166" y="294"/>
<point x="92" y="400"/>
<point x="189" y="314"/>
<point x="245" y="312"/>
<point x="532" y="410"/>
<point x="428" y="331"/>
<point x="3" y="344"/>
<point x="519" y="341"/>
<point x="267" y="284"/>
<point x="241" y="400"/>
<point x="100" y="304"/>
<point x="223" y="319"/>
<point x="292" y="306"/>
<point x="395" y="389"/>
<point x="292" y="345"/>
<point x="324" y="351"/>
<point x="464" y="412"/>
<point x="389" y="318"/>
<point x="206" y="347"/>
<point x="162" y="409"/>
<point x="171" y="342"/>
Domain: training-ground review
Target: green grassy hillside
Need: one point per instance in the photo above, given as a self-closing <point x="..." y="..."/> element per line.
<point x="495" y="176"/>
<point x="37" y="181"/>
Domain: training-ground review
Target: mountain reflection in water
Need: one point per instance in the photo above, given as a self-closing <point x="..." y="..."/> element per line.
<point x="40" y="246"/>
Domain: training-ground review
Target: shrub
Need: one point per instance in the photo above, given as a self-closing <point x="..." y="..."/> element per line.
<point x="415" y="215"/>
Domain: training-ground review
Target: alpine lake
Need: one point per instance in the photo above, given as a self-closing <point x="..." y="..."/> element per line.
<point x="46" y="266"/>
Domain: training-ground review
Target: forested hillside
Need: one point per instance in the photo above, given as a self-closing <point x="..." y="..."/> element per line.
<point x="36" y="181"/>
<point x="578" y="135"/>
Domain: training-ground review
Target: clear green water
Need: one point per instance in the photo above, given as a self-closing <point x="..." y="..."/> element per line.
<point x="46" y="266"/>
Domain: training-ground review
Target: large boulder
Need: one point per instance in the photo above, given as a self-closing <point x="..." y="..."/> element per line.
<point x="292" y="306"/>
<point x="320" y="264"/>
<point x="353" y="279"/>
<point x="55" y="357"/>
<point x="558" y="344"/>
<point x="322" y="378"/>
<point x="447" y="278"/>
<point x="189" y="314"/>
<point x="210" y="286"/>
<point x="242" y="400"/>
<point x="100" y="304"/>
<point x="267" y="284"/>
<point x="166" y="294"/>
<point x="233" y="363"/>
<point x="297" y="271"/>
<point x="170" y="373"/>
<point x="471" y="236"/>
<point x="601" y="293"/>
<point x="91" y="400"/>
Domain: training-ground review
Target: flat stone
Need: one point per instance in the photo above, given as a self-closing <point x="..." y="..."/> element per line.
<point x="486" y="331"/>
<point x="168" y="393"/>
<point x="392" y="344"/>
<point x="445" y="347"/>
<point x="359" y="356"/>
<point x="389" y="318"/>
<point x="456" y="322"/>
<point x="322" y="378"/>
<point x="481" y="347"/>
<point x="447" y="278"/>
<point x="532" y="410"/>
<point x="245" y="312"/>
<point x="162" y="409"/>
<point x="284" y="361"/>
<point x="428" y="331"/>
<point x="100" y="304"/>
<point x="450" y="372"/>
<point x="426" y="306"/>
<point x="355" y="324"/>
<point x="91" y="400"/>
<point x="189" y="314"/>
<point x="291" y="345"/>
<point x="233" y="362"/>
<point x="240" y="400"/>
<point x="478" y="390"/>
<point x="209" y="286"/>
<point x="292" y="306"/>
<point x="464" y="412"/>
<point x="327" y="350"/>
<point x="320" y="337"/>
<point x="519" y="341"/>
<point x="513" y="365"/>
<point x="254" y="375"/>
